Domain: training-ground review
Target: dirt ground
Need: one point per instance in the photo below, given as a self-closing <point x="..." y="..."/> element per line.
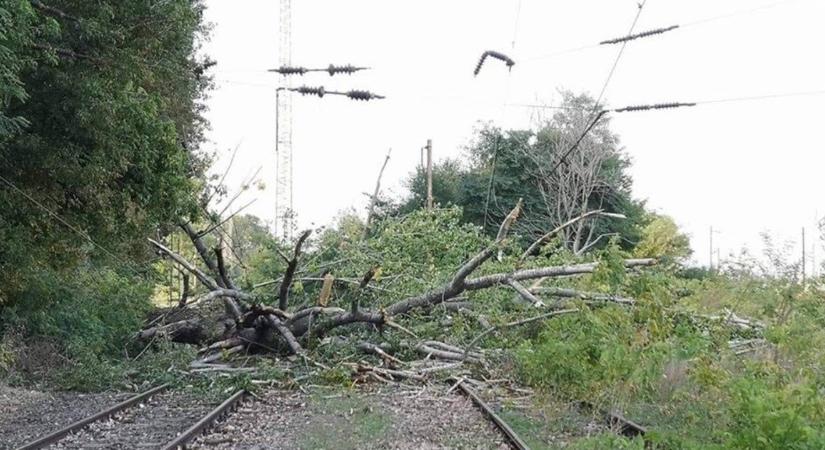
<point x="385" y="417"/>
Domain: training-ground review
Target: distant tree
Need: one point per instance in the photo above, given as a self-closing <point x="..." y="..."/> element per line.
<point x="661" y="238"/>
<point x="503" y="166"/>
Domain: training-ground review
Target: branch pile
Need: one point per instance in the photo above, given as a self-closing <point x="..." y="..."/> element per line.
<point x="249" y="323"/>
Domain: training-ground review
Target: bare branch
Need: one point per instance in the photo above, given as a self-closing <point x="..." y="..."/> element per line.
<point x="199" y="274"/>
<point x="552" y="271"/>
<point x="292" y="264"/>
<point x="374" y="198"/>
<point x="203" y="252"/>
<point x="516" y="324"/>
<point x="572" y="293"/>
<point x="53" y="11"/>
<point x="534" y="247"/>
<point x="286" y="333"/>
<point x="222" y="267"/>
<point x="526" y="294"/>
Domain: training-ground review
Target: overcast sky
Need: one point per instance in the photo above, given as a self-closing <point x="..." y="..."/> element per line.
<point x="743" y="166"/>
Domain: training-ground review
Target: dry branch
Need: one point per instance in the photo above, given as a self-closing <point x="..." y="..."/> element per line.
<point x="292" y="264"/>
<point x="516" y="324"/>
<point x="524" y="292"/>
<point x="389" y="360"/>
<point x="286" y="333"/>
<point x="374" y="198"/>
<point x="203" y="252"/>
<point x="572" y="293"/>
<point x="199" y="274"/>
<point x="534" y="247"/>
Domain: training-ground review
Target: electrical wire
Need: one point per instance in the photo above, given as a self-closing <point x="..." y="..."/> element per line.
<point x="749" y="98"/>
<point x="684" y="25"/>
<point x="68" y="225"/>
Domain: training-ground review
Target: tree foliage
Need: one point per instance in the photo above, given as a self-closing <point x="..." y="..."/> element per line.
<point x="100" y="123"/>
<point x="503" y="166"/>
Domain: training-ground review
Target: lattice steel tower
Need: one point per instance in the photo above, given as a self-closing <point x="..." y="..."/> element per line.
<point x="283" y="158"/>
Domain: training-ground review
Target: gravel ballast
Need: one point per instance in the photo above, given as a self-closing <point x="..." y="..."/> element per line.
<point x="26" y="415"/>
<point x="389" y="417"/>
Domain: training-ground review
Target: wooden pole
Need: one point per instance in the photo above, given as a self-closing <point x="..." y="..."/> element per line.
<point x="429" y="174"/>
<point x="803" y="254"/>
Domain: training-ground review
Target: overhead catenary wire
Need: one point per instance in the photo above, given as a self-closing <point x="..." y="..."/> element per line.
<point x="68" y="225"/>
<point x="597" y="112"/>
<point x="747" y="98"/>
<point x="503" y="110"/>
<point x="682" y="26"/>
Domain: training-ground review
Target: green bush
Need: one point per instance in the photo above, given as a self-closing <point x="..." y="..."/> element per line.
<point x="86" y="313"/>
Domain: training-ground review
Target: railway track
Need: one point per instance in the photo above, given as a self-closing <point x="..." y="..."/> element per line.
<point x="157" y="418"/>
<point x="167" y="420"/>
<point x="614" y="420"/>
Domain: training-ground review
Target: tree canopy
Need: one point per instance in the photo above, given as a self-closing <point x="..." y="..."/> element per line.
<point x="100" y="124"/>
<point x="502" y="166"/>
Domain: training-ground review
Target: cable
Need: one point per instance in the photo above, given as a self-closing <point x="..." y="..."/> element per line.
<point x="67" y="224"/>
<point x="762" y="97"/>
<point x="736" y="13"/>
<point x="698" y="102"/>
<point x="597" y="112"/>
<point x="703" y="21"/>
<point x="618" y="57"/>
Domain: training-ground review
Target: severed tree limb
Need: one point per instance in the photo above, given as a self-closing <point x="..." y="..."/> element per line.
<point x="551" y="271"/>
<point x="363" y="368"/>
<point x="534" y="247"/>
<point x="199" y="274"/>
<point x="226" y="343"/>
<point x="593" y="243"/>
<point x="203" y="252"/>
<point x="218" y="355"/>
<point x="506" y="224"/>
<point x="326" y="290"/>
<point x="449" y="291"/>
<point x="374" y="198"/>
<point x="516" y="324"/>
<point x="524" y="292"/>
<point x="291" y="266"/>
<point x="390" y="360"/>
<point x="443" y="354"/>
<point x="222" y="273"/>
<point x="286" y="333"/>
<point x="572" y="293"/>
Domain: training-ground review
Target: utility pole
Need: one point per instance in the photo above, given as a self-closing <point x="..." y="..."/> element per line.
<point x="429" y="174"/>
<point x="803" y="254"/>
<point x="710" y="249"/>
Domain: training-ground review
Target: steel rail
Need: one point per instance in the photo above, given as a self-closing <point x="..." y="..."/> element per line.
<point x="201" y="425"/>
<point x="511" y="435"/>
<point x="620" y="424"/>
<point x="61" y="433"/>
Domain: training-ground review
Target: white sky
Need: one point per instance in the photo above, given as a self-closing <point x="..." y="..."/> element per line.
<point x="742" y="167"/>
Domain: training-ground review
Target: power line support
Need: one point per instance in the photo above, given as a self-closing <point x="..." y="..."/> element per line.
<point x="283" y="139"/>
<point x="803" y="255"/>
<point x="429" y="174"/>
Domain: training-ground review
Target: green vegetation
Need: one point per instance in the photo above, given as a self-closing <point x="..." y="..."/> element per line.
<point x="100" y="133"/>
<point x="100" y="124"/>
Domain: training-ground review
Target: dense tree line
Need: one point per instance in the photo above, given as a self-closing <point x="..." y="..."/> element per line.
<point x="502" y="166"/>
<point x="100" y="125"/>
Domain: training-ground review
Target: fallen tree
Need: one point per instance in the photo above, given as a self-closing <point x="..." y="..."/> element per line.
<point x="252" y="322"/>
